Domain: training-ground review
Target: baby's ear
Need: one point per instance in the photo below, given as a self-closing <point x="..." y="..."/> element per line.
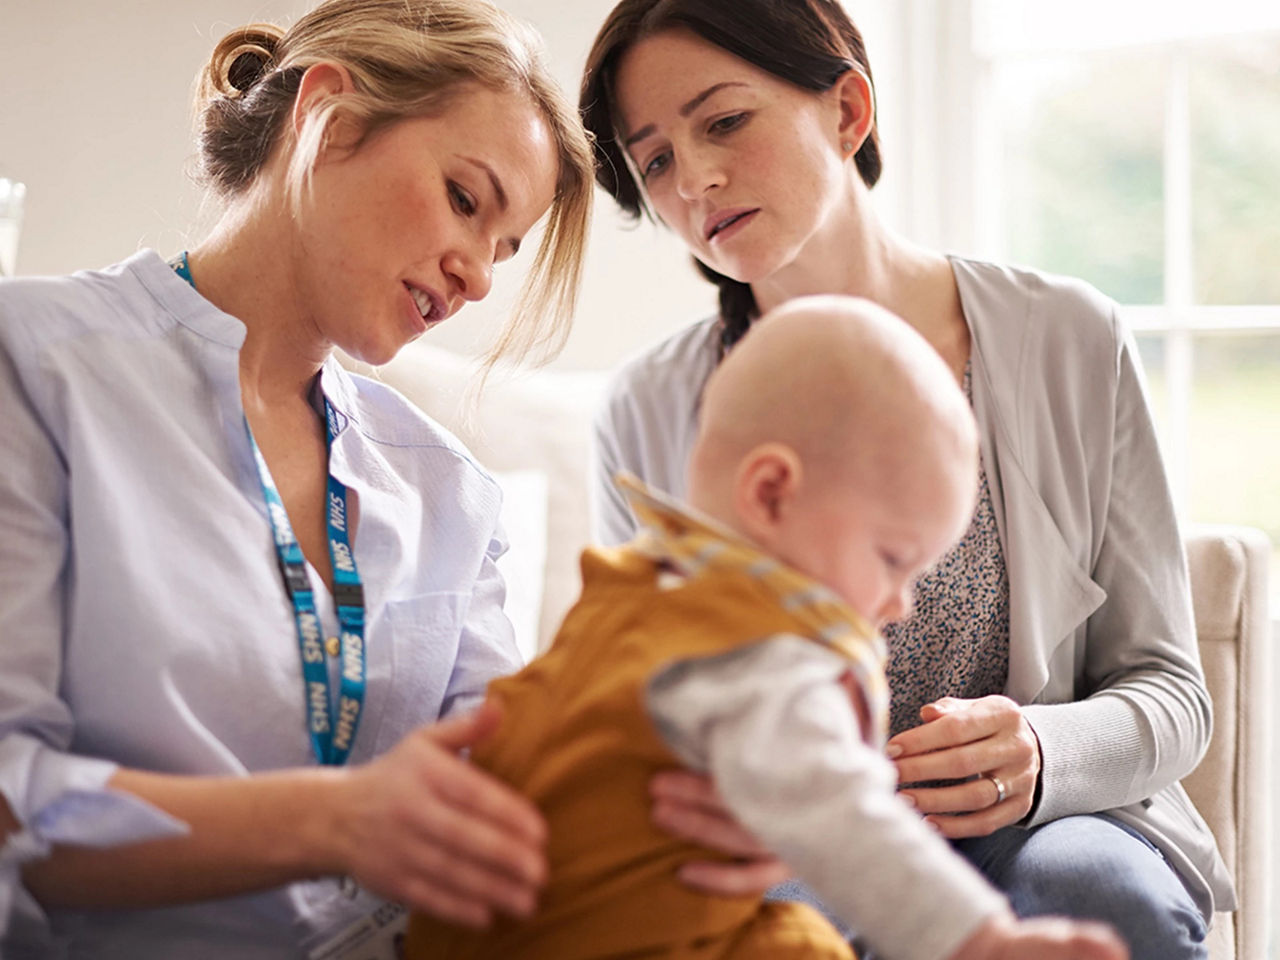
<point x="766" y="484"/>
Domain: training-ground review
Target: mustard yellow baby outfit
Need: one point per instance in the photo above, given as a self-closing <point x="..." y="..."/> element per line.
<point x="580" y="738"/>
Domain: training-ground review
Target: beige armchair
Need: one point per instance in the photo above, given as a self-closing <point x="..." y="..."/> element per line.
<point x="1232" y="785"/>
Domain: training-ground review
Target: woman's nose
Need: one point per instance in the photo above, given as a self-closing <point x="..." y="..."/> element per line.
<point x="471" y="274"/>
<point x="698" y="172"/>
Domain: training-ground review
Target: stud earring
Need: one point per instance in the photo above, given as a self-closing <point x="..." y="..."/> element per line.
<point x="846" y="146"/>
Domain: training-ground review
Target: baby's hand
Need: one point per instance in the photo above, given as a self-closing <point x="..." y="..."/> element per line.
<point x="1045" y="938"/>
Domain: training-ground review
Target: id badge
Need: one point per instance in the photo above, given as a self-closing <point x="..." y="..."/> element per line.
<point x="378" y="935"/>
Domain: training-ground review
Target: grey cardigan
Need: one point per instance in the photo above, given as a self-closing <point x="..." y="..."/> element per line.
<point x="1102" y="645"/>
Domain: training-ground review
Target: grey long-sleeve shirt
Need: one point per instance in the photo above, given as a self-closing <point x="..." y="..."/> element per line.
<point x="1102" y="644"/>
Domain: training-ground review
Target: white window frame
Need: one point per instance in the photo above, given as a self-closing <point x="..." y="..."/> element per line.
<point x="942" y="128"/>
<point x="942" y="188"/>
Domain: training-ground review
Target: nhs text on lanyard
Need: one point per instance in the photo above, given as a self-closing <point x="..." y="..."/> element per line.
<point x="332" y="732"/>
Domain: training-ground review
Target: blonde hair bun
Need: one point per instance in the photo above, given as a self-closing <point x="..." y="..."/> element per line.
<point x="240" y="59"/>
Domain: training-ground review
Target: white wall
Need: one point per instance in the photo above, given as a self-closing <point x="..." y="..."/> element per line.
<point x="94" y="118"/>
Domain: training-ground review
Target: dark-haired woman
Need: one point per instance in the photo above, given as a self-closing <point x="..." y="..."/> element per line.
<point x="239" y="587"/>
<point x="1047" y="691"/>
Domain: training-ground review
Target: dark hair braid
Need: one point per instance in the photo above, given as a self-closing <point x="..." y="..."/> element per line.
<point x="737" y="306"/>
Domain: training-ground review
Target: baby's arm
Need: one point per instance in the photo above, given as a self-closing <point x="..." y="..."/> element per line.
<point x="774" y="727"/>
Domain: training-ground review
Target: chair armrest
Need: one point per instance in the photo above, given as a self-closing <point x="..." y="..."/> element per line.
<point x="1232" y="785"/>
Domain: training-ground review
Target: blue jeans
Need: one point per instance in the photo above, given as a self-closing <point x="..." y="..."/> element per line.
<point x="1092" y="867"/>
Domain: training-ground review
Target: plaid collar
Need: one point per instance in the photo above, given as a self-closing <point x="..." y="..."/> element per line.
<point x="696" y="546"/>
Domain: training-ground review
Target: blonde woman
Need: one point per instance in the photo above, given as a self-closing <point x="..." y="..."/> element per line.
<point x="245" y="596"/>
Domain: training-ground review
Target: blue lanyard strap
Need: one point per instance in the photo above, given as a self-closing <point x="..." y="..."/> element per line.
<point x="332" y="730"/>
<point x="183" y="268"/>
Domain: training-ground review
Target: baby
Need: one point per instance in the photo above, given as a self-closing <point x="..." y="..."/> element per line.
<point x="836" y="460"/>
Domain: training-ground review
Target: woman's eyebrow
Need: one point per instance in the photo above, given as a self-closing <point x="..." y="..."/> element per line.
<point x="512" y="242"/>
<point x="685" y="110"/>
<point x="493" y="179"/>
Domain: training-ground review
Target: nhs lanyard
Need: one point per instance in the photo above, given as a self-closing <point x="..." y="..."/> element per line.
<point x="332" y="732"/>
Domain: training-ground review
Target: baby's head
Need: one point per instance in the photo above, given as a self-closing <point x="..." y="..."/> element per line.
<point x="835" y="438"/>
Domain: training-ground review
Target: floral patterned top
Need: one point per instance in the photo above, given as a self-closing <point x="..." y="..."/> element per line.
<point x="956" y="643"/>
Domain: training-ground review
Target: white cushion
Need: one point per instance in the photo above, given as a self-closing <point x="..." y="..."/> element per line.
<point x="538" y="420"/>
<point x="524" y="519"/>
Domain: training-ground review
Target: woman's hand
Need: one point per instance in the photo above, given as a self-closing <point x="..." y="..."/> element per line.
<point x="1045" y="938"/>
<point x="687" y="806"/>
<point x="988" y="739"/>
<point x="421" y="826"/>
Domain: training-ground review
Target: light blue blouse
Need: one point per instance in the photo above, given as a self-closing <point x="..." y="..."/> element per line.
<point x="143" y="621"/>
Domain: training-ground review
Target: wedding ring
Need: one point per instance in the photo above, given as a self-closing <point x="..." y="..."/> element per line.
<point x="1001" y="792"/>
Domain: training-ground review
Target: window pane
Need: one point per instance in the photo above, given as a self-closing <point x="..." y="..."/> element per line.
<point x="1004" y="27"/>
<point x="1083" y="179"/>
<point x="1235" y="155"/>
<point x="1235" y="435"/>
<point x="1151" y="348"/>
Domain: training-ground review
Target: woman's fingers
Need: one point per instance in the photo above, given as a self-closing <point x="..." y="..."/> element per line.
<point x="967" y="738"/>
<point x="989" y="746"/>
<point x="686" y="789"/>
<point x="950" y="722"/>
<point x="1045" y="938"/>
<point x="737" y="879"/>
<point x="973" y="808"/>
<point x="964" y="797"/>
<point x="426" y="896"/>
<point x="706" y="827"/>
<point x="457" y="832"/>
<point x="465" y="729"/>
<point x="481" y="797"/>
<point x="429" y="829"/>
<point x="468" y="880"/>
<point x="953" y="763"/>
<point x="471" y="789"/>
<point x="687" y="806"/>
<point x="980" y="824"/>
<point x="1058" y="938"/>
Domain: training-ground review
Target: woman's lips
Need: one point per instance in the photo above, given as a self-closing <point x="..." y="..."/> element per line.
<point x="426" y="303"/>
<point x="724" y="224"/>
